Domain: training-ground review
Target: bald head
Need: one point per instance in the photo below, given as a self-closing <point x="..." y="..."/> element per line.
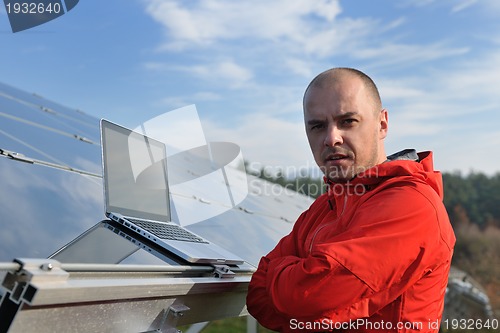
<point x="335" y="76"/>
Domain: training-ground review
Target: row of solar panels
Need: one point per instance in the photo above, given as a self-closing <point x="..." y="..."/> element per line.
<point x="52" y="190"/>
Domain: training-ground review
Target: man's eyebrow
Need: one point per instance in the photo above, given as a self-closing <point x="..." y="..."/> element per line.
<point x="315" y="121"/>
<point x="340" y="116"/>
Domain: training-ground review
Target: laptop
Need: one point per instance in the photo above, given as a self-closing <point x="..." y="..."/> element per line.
<point x="137" y="198"/>
<point x="107" y="243"/>
<point x="97" y="245"/>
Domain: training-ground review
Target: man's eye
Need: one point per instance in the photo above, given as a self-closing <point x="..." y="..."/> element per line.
<point x="349" y="121"/>
<point x="317" y="127"/>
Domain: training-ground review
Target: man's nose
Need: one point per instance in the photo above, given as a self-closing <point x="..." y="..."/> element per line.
<point x="333" y="136"/>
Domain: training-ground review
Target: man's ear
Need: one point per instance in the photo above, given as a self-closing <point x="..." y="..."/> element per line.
<point x="384" y="123"/>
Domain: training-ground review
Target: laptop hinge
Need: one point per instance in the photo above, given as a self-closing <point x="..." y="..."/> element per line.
<point x="223" y="272"/>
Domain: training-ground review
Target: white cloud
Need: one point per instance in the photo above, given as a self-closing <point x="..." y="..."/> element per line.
<point x="450" y="93"/>
<point x="389" y="54"/>
<point x="309" y="30"/>
<point x="292" y="27"/>
<point x="476" y="79"/>
<point x="300" y="67"/>
<point x="493" y="6"/>
<point x="179" y="101"/>
<point x="207" y="96"/>
<point x="418" y="3"/>
<point x="463" y="5"/>
<point x="394" y="89"/>
<point x="178" y="20"/>
<point x="228" y="72"/>
<point x="203" y="22"/>
<point x="233" y="72"/>
<point x="155" y="66"/>
<point x="173" y="102"/>
<point x="453" y="111"/>
<point x="395" y="24"/>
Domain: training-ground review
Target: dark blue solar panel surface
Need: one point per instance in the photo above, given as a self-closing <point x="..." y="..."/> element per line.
<point x="44" y="208"/>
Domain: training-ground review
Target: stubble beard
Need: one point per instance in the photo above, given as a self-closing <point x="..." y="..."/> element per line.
<point x="339" y="174"/>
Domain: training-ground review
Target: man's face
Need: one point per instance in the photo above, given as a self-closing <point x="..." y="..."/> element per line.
<point x="344" y="129"/>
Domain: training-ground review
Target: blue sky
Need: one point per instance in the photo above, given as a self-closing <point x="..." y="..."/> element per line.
<point x="245" y="64"/>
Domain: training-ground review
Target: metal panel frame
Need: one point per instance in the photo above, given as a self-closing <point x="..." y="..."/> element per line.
<point x="47" y="296"/>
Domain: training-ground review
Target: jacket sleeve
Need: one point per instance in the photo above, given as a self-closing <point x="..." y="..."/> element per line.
<point x="259" y="303"/>
<point x="280" y="273"/>
<point x="351" y="274"/>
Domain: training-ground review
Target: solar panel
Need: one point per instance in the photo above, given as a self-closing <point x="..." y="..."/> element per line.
<point x="51" y="189"/>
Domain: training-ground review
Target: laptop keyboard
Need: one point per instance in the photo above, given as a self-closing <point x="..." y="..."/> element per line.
<point x="167" y="231"/>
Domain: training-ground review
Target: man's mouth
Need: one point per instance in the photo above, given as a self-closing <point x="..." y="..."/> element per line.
<point x="335" y="157"/>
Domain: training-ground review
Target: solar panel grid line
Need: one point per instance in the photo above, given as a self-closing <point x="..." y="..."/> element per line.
<point x="242" y="208"/>
<point x="238" y="208"/>
<point x="47" y="109"/>
<point x="20" y="157"/>
<point x="48" y="128"/>
<point x="24" y="143"/>
<point x="54" y="124"/>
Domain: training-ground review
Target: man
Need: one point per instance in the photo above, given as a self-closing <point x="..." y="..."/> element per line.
<point x="373" y="253"/>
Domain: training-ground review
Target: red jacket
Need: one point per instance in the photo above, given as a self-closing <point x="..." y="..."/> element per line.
<point x="371" y="256"/>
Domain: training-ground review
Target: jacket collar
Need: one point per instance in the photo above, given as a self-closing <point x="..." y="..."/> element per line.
<point x="404" y="163"/>
<point x="404" y="155"/>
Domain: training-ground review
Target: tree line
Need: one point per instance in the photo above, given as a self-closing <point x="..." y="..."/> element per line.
<point x="472" y="198"/>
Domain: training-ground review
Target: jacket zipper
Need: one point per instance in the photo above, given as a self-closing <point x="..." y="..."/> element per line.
<point x="324" y="225"/>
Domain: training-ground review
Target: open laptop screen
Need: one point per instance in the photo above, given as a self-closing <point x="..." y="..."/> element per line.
<point x="135" y="174"/>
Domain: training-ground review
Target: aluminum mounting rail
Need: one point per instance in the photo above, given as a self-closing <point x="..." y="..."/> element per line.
<point x="42" y="295"/>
